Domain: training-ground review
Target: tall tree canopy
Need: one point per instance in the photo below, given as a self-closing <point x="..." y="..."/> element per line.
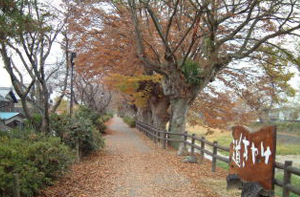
<point x="189" y="43"/>
<point x="198" y="39"/>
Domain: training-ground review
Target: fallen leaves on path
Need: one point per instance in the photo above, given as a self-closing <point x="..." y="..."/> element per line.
<point x="89" y="178"/>
<point x="205" y="181"/>
<point x="133" y="166"/>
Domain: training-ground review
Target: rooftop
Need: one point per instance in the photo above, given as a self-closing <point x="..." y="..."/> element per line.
<point x="2" y="98"/>
<point x="8" y="115"/>
<point x="5" y="91"/>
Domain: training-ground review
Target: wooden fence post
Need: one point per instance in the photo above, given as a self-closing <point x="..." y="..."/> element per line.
<point x="155" y="136"/>
<point x="168" y="136"/>
<point x="16" y="185"/>
<point x="147" y="131"/>
<point x="202" y="149"/>
<point x="214" y="157"/>
<point x="185" y="140"/>
<point x="193" y="143"/>
<point x="151" y="134"/>
<point x="158" y="137"/>
<point x="164" y="140"/>
<point x="286" y="179"/>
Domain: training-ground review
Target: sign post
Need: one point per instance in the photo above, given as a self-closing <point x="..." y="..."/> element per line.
<point x="252" y="160"/>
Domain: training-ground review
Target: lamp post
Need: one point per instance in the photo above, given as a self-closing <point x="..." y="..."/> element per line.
<point x="73" y="56"/>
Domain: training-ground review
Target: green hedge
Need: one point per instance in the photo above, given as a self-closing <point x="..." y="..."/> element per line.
<point x="101" y="120"/>
<point x="90" y="139"/>
<point x="84" y="128"/>
<point x="38" y="161"/>
<point x="130" y="121"/>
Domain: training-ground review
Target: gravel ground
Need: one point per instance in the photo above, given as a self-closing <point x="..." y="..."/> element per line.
<point x="133" y="166"/>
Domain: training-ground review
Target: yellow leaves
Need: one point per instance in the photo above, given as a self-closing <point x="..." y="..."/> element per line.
<point x="138" y="87"/>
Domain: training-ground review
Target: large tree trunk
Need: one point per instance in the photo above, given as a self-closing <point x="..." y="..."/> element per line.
<point x="144" y="115"/>
<point x="181" y="96"/>
<point x="159" y="107"/>
<point x="27" y="112"/>
<point x="179" y="109"/>
<point x="46" y="119"/>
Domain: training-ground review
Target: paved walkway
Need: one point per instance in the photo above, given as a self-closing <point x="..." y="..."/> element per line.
<point x="132" y="166"/>
<point x="144" y="173"/>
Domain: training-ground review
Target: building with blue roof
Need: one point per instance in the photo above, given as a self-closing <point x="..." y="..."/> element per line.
<point x="8" y="116"/>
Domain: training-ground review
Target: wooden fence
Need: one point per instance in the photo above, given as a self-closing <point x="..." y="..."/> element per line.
<point x="200" y="144"/>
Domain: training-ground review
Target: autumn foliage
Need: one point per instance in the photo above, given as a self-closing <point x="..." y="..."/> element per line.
<point x="190" y="44"/>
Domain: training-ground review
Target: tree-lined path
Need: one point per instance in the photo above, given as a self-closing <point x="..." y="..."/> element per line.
<point x="131" y="165"/>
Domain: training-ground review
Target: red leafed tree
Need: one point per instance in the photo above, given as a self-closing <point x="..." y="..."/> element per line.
<point x="106" y="48"/>
<point x="189" y="43"/>
<point x="219" y="110"/>
<point x="196" y="40"/>
<point x="242" y="96"/>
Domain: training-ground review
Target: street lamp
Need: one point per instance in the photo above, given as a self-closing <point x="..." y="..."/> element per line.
<point x="73" y="56"/>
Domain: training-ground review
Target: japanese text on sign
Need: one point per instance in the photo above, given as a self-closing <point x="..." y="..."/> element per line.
<point x="249" y="150"/>
<point x="252" y="155"/>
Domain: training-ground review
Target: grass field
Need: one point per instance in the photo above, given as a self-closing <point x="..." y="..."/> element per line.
<point x="283" y="127"/>
<point x="295" y="182"/>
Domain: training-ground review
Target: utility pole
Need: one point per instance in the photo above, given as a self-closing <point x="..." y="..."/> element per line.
<point x="73" y="56"/>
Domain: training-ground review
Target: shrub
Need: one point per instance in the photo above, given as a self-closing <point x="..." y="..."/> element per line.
<point x="101" y="120"/>
<point x="38" y="161"/>
<point x="52" y="157"/>
<point x="88" y="136"/>
<point x="87" y="113"/>
<point x="130" y="121"/>
<point x="60" y="125"/>
<point x="17" y="133"/>
<point x="101" y="126"/>
<point x="13" y="159"/>
<point x="37" y="119"/>
<point x="84" y="128"/>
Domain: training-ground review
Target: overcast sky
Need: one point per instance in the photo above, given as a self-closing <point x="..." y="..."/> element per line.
<point x="4" y="77"/>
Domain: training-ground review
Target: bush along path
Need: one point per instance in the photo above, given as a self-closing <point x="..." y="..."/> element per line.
<point x="132" y="166"/>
